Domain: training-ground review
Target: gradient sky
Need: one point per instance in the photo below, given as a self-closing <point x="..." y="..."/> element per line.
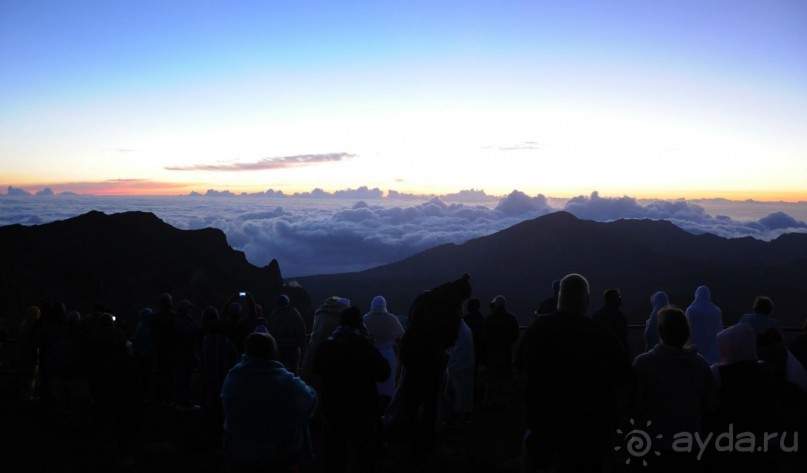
<point x="654" y="98"/>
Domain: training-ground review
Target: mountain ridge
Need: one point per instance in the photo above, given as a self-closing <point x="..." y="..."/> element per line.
<point x="521" y="261"/>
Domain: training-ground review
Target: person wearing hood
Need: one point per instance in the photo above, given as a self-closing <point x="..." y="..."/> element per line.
<point x="266" y="411"/>
<point x="747" y="394"/>
<point x="348" y="367"/>
<point x="675" y="387"/>
<point x="658" y="300"/>
<point x="706" y="321"/>
<point x="326" y="319"/>
<point x="386" y="331"/>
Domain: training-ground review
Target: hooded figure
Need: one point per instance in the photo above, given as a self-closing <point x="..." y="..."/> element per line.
<point x="706" y="322"/>
<point x="736" y="344"/>
<point x="658" y="300"/>
<point x="386" y="331"/>
<point x="747" y="395"/>
<point x="326" y="319"/>
<point x="266" y="409"/>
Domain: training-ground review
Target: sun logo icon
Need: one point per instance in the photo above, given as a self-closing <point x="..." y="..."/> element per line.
<point x="638" y="443"/>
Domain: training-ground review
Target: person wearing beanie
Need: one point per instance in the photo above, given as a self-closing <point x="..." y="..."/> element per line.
<point x="386" y="332"/>
<point x="349" y="367"/>
<point x="266" y="411"/>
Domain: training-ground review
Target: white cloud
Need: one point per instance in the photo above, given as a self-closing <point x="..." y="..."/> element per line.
<point x="310" y="235"/>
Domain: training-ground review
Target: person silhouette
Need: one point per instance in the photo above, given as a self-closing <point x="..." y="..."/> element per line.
<point x="574" y="367"/>
<point x="706" y="321"/>
<point x="266" y="411"/>
<point x="348" y="366"/>
<point x="611" y="315"/>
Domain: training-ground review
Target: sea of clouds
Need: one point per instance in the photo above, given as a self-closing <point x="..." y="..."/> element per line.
<point x="351" y="230"/>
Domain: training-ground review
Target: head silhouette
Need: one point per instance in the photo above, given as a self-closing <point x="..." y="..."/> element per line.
<point x="612" y="297"/>
<point x="573" y="297"/>
<point x="473" y="304"/>
<point x="673" y="326"/>
<point x="351" y="317"/>
<point x="166" y="301"/>
<point x="261" y="345"/>
<point x="763" y="305"/>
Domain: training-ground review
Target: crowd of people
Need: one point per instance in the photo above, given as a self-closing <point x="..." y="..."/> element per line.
<point x="278" y="394"/>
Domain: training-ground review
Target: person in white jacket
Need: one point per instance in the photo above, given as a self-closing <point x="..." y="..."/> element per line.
<point x="386" y="331"/>
<point x="706" y="321"/>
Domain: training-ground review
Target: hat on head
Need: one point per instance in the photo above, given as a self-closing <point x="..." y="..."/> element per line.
<point x="379" y="303"/>
<point x="499" y="300"/>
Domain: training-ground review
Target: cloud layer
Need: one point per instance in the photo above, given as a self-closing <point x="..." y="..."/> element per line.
<point x="354" y="229"/>
<point x="267" y="163"/>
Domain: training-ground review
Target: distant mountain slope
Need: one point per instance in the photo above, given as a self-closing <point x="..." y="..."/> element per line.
<point x="637" y="256"/>
<point x="126" y="261"/>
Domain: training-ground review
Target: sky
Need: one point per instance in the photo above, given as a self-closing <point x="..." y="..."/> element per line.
<point x="663" y="99"/>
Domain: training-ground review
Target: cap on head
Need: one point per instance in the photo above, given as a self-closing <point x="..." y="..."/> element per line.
<point x="498" y="301"/>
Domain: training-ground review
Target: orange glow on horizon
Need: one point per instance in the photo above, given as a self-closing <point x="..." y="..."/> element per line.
<point x="138" y="187"/>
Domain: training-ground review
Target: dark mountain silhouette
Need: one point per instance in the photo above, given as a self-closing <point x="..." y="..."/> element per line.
<point x="125" y="261"/>
<point x="637" y="256"/>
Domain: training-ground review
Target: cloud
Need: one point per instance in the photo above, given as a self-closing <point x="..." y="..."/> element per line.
<point x="519" y="203"/>
<point x="45" y="191"/>
<point x="685" y="214"/>
<point x="779" y="221"/>
<point x="310" y="235"/>
<point x="522" y="146"/>
<point x="268" y="163"/>
<point x="16" y="191"/>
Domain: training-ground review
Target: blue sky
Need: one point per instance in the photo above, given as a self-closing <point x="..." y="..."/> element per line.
<point x="664" y="99"/>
